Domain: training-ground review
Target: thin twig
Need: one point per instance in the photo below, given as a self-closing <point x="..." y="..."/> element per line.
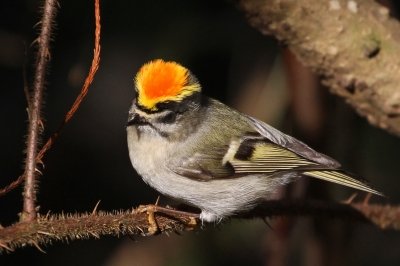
<point x="25" y="79"/>
<point x="75" y="105"/>
<point x="85" y="88"/>
<point x="13" y="185"/>
<point x="43" y="56"/>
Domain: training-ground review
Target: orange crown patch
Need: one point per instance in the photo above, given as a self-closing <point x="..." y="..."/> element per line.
<point x="160" y="81"/>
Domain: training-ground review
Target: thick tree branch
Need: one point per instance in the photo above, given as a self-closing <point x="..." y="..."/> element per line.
<point x="46" y="229"/>
<point x="42" y="57"/>
<point x="354" y="45"/>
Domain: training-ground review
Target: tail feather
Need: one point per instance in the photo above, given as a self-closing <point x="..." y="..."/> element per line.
<point x="341" y="179"/>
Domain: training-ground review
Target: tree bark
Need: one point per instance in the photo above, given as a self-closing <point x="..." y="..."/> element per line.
<point x="353" y="45"/>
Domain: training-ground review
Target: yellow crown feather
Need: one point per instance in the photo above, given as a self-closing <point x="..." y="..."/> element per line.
<point x="159" y="81"/>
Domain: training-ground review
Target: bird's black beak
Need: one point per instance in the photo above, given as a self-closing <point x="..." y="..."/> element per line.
<point x="136" y="119"/>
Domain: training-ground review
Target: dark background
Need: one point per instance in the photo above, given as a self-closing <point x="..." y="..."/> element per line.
<point x="235" y="64"/>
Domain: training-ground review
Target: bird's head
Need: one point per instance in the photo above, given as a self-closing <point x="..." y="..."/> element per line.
<point x="165" y="91"/>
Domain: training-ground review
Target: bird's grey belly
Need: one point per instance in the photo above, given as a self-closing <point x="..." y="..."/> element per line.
<point x="221" y="196"/>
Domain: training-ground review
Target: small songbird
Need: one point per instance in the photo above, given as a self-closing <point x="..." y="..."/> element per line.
<point x="197" y="150"/>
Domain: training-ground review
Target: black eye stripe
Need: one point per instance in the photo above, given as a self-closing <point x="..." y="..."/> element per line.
<point x="168" y="118"/>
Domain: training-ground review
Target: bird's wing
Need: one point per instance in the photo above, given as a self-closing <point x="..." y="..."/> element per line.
<point x="254" y="155"/>
<point x="291" y="143"/>
<point x="267" y="152"/>
<point x="259" y="155"/>
<point x="203" y="166"/>
<point x="251" y="154"/>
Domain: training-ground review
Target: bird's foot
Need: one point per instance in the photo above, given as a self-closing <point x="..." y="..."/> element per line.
<point x="188" y="218"/>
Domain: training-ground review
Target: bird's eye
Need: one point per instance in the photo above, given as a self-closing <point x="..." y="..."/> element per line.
<point x="168" y="118"/>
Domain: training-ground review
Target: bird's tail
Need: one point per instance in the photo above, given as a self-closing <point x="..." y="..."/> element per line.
<point x="341" y="179"/>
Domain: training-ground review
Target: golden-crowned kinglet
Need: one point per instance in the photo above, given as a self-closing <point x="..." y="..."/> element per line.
<point x="208" y="155"/>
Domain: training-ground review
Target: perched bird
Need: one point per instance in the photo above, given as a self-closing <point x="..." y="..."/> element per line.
<point x="197" y="150"/>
